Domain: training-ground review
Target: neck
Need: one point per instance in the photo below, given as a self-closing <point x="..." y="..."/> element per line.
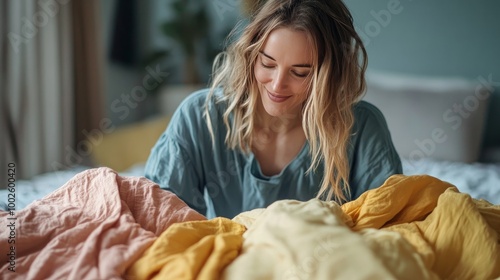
<point x="279" y="124"/>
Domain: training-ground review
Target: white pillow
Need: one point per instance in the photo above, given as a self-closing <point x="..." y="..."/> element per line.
<point x="440" y="118"/>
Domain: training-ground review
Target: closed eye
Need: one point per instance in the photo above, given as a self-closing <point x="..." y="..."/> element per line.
<point x="265" y="65"/>
<point x="300" y="75"/>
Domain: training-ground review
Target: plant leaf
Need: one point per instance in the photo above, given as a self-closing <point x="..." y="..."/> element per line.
<point x="155" y="57"/>
<point x="171" y="29"/>
<point x="179" y="7"/>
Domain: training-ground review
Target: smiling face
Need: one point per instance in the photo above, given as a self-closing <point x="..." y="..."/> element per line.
<point x="283" y="71"/>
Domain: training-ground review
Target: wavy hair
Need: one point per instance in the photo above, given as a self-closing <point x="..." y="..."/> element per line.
<point x="337" y="83"/>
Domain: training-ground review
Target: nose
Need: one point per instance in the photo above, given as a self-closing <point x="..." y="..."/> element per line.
<point x="279" y="81"/>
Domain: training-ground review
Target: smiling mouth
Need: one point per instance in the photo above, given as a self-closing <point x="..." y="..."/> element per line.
<point x="277" y="98"/>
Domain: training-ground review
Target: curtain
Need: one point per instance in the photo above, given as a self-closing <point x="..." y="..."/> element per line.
<point x="40" y="66"/>
<point x="89" y="59"/>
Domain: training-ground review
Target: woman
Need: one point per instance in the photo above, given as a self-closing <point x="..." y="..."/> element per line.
<point x="282" y="119"/>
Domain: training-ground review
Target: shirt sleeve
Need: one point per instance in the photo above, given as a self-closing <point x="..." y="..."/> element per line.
<point x="174" y="161"/>
<point x="170" y="166"/>
<point x="373" y="155"/>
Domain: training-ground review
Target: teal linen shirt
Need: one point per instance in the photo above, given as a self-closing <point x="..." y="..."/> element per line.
<point x="217" y="181"/>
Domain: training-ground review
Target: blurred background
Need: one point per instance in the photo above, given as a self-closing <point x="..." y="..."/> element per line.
<point x="94" y="82"/>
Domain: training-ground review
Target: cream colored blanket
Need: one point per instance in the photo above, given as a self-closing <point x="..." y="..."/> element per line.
<point x="313" y="240"/>
<point x="412" y="227"/>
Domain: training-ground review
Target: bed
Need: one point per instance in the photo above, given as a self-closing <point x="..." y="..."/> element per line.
<point x="439" y="220"/>
<point x="101" y="224"/>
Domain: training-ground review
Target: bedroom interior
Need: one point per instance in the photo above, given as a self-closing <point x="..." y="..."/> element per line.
<point x="102" y="98"/>
<point x="435" y="82"/>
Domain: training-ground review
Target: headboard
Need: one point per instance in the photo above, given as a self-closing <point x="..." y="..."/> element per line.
<point x="440" y="118"/>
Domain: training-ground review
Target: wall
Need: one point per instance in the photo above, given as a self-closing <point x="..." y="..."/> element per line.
<point x="435" y="38"/>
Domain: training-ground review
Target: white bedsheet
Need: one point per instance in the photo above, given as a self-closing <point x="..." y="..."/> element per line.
<point x="478" y="180"/>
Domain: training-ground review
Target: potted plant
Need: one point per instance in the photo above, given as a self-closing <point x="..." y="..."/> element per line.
<point x="189" y="29"/>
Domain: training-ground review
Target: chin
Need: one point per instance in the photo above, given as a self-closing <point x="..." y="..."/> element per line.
<point x="273" y="109"/>
<point x="276" y="109"/>
<point x="281" y="110"/>
<point x="274" y="112"/>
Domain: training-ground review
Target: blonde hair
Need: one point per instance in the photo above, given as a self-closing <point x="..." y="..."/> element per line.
<point x="337" y="83"/>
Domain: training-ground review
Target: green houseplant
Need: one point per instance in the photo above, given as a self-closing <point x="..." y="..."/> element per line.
<point x="189" y="29"/>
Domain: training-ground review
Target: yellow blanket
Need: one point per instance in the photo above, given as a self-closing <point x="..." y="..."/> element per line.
<point x="458" y="237"/>
<point x="190" y="250"/>
<point x="411" y="227"/>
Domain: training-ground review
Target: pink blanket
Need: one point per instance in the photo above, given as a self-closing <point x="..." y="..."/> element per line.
<point x="93" y="227"/>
